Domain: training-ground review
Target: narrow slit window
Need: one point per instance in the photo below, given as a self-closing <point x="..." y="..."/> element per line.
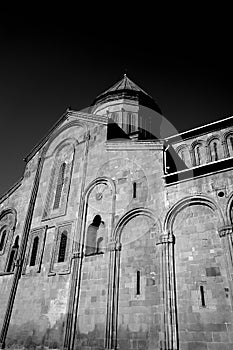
<point x="60" y="183"/>
<point x="13" y="255"/>
<point x="215" y="151"/>
<point x="198" y="155"/>
<point x="203" y="303"/>
<point x="134" y="189"/>
<point x="231" y="141"/>
<point x="62" y="247"/>
<point x="129" y="122"/>
<point x="34" y="251"/>
<point x="10" y="265"/>
<point x="138" y="283"/>
<point x="2" y="242"/>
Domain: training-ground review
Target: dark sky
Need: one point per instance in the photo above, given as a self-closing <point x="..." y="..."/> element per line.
<point x="51" y="59"/>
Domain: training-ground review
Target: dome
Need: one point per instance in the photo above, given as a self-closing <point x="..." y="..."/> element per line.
<point x="125" y="89"/>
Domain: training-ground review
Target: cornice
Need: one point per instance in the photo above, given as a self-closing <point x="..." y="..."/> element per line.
<point x="101" y="119"/>
<point x="157" y="145"/>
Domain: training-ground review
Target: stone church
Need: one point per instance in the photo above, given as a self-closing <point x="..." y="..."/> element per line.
<point x="119" y="236"/>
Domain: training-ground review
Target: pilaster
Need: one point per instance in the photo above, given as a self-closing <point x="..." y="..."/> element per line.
<point x="170" y="329"/>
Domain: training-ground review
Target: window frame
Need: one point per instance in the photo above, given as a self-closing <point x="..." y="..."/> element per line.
<point x="41" y="233"/>
<point x="62" y="267"/>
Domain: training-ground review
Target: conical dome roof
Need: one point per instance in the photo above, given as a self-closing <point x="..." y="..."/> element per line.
<point x="126" y="89"/>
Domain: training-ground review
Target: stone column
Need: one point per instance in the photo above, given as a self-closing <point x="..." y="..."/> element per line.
<point x="73" y="301"/>
<point x="78" y="255"/>
<point x="170" y="323"/>
<point x="114" y="249"/>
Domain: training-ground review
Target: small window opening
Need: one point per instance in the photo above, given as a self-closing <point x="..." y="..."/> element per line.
<point x="138" y="283"/>
<point x="231" y="141"/>
<point x="134" y="189"/>
<point x="3" y="236"/>
<point x="62" y="247"/>
<point x="198" y="156"/>
<point x="91" y="241"/>
<point x="215" y="151"/>
<point x="13" y="255"/>
<point x="34" y="251"/>
<point x="203" y="303"/>
<point x="11" y="261"/>
<point x="129" y="122"/>
<point x="221" y="194"/>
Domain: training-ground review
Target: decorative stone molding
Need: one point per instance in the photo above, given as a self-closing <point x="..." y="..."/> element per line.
<point x="225" y="230"/>
<point x="114" y="246"/>
<point x="78" y="255"/>
<point x="166" y="238"/>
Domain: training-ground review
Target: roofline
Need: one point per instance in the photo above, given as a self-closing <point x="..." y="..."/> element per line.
<point x="45" y="138"/>
<point x="69" y="112"/>
<point x="192" y="132"/>
<point x="13" y="188"/>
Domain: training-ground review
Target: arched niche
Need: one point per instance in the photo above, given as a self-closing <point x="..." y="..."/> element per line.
<point x="228" y="138"/>
<point x="97" y="219"/>
<point x="199" y="153"/>
<point x="134" y="277"/>
<point x="215" y="148"/>
<point x="200" y="269"/>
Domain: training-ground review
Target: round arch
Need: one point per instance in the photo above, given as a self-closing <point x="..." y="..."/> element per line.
<point x="228" y="209"/>
<point x="9" y="211"/>
<point x="188" y="201"/>
<point x="130" y="215"/>
<point x="66" y="142"/>
<point x="60" y="130"/>
<point x="212" y="138"/>
<point x="98" y="181"/>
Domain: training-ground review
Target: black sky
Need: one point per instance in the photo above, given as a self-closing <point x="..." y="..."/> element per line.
<point x="51" y="59"/>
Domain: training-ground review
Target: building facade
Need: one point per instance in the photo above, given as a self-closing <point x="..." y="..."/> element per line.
<point x="118" y="237"/>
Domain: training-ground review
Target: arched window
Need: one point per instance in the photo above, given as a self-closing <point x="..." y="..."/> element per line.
<point x="34" y="251"/>
<point x="62" y="247"/>
<point x="13" y="255"/>
<point x="91" y="240"/>
<point x="215" y="149"/>
<point x="231" y="142"/>
<point x="129" y="122"/>
<point x="2" y="239"/>
<point x="197" y="155"/>
<point x="60" y="183"/>
<point x="230" y="145"/>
